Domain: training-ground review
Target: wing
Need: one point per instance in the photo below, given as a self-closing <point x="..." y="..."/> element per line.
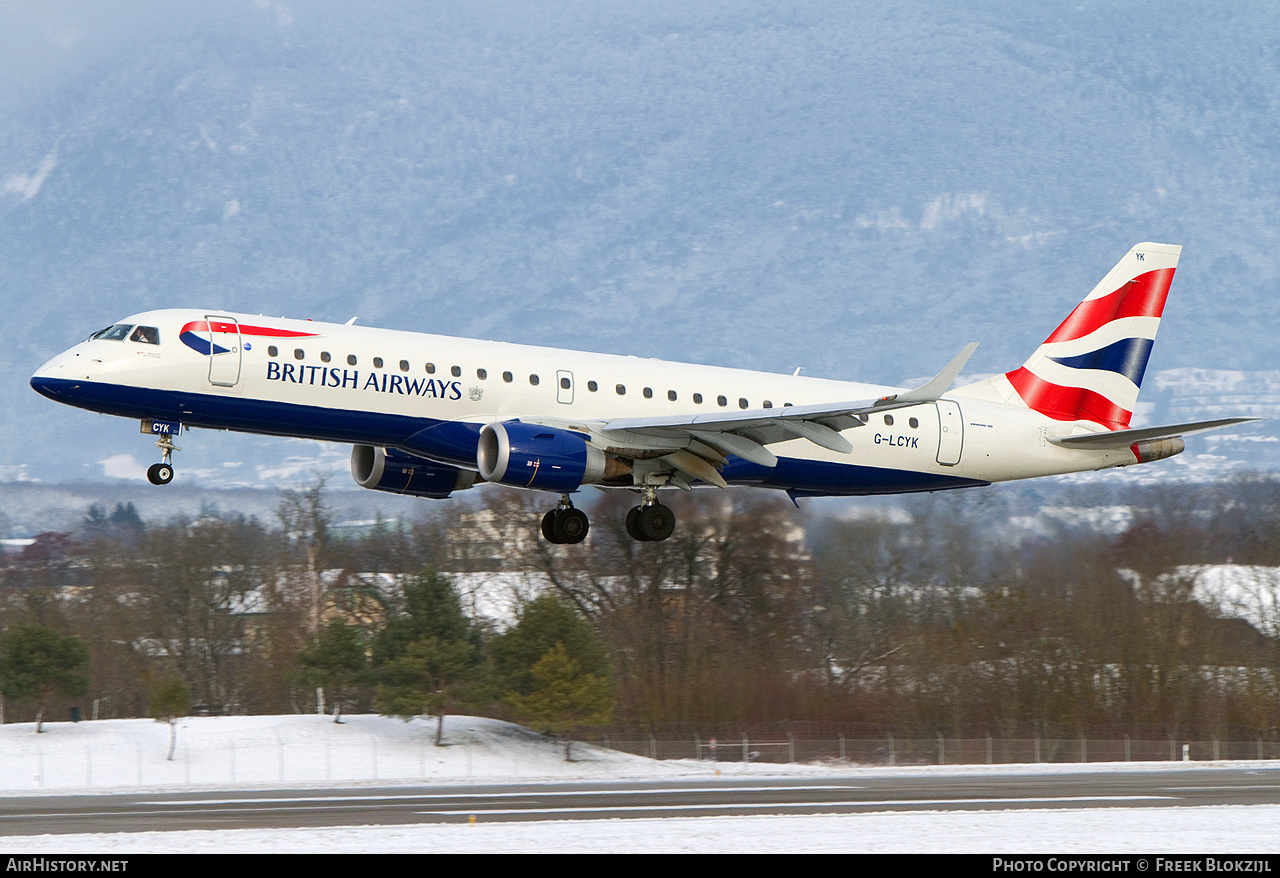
<point x="695" y="445"/>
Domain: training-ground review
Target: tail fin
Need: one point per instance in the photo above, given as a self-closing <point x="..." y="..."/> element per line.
<point x="1091" y="367"/>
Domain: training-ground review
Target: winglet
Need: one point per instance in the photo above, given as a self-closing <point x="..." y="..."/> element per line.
<point x="941" y="382"/>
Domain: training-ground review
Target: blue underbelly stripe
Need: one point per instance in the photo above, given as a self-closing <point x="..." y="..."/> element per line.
<point x="452" y="442"/>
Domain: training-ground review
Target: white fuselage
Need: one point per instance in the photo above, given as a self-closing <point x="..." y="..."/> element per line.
<point x="429" y="395"/>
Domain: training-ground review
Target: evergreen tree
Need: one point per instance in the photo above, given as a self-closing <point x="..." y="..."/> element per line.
<point x="126" y="518"/>
<point x="169" y="699"/>
<point x="35" y="661"/>
<point x="429" y="656"/>
<point x="562" y="696"/>
<point x="544" y="622"/>
<point x="336" y="661"/>
<point x="555" y="669"/>
<point x="430" y="608"/>
<point x="123" y="523"/>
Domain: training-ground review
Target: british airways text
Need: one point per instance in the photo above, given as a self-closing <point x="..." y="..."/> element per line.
<point x="331" y="376"/>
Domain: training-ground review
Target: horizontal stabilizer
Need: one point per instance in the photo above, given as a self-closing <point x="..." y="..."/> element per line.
<point x="1125" y="438"/>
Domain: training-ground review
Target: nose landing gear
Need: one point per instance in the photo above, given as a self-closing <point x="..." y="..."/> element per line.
<point x="162" y="473"/>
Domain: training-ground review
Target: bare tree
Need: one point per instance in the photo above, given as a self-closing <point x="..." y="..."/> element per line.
<point x="306" y="516"/>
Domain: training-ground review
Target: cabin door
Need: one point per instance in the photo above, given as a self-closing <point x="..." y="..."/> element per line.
<point x="950" y="432"/>
<point x="224" y="350"/>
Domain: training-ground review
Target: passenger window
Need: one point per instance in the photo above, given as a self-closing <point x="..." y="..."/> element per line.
<point x="351" y="359"/>
<point x="671" y="395"/>
<point x="299" y="354"/>
<point x="888" y="420"/>
<point x="622" y="391"/>
<point x="914" y="424"/>
<point x="648" y="393"/>
<point x="456" y="371"/>
<point x="481" y="374"/>
<point x="742" y="403"/>
<point x="768" y="404"/>
<point x="431" y="368"/>
<point x="592" y="386"/>
<point x="272" y="351"/>
<point x="404" y="365"/>
<point x="720" y="400"/>
<point x="697" y="398"/>
<point x="146" y="335"/>
<point x="533" y="379"/>
<point x="564" y="383"/>
<point x="507" y="377"/>
<point x="377" y="362"/>
<point x="324" y="357"/>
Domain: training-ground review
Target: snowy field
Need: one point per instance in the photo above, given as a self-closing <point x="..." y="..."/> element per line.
<point x="308" y="751"/>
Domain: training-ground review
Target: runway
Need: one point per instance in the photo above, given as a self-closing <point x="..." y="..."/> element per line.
<point x="1146" y="787"/>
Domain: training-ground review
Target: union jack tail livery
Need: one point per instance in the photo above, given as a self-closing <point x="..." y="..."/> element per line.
<point x="1090" y="368"/>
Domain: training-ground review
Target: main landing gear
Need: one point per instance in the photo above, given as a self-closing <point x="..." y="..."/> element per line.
<point x="650" y="522"/>
<point x="565" y="524"/>
<point x="162" y="473"/>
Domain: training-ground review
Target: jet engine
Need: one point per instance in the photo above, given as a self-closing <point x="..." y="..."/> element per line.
<point x="544" y="458"/>
<point x="386" y="469"/>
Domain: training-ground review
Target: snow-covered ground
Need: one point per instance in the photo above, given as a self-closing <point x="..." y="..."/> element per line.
<point x="257" y="752"/>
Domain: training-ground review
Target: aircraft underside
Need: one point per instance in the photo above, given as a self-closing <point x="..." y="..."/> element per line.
<point x="423" y="457"/>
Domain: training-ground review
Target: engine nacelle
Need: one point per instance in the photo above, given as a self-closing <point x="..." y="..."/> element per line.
<point x="544" y="458"/>
<point x="386" y="469"/>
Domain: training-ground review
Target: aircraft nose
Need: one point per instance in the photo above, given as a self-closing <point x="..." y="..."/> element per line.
<point x="57" y="376"/>
<point x="46" y="386"/>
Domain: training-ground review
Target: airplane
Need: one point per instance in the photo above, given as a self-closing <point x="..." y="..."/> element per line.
<point x="428" y="415"/>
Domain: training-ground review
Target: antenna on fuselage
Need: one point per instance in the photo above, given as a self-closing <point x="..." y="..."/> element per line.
<point x="351" y="322"/>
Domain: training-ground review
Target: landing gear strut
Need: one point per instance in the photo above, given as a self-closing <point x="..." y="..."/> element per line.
<point x="650" y="521"/>
<point x="162" y="473"/>
<point x="565" y="524"/>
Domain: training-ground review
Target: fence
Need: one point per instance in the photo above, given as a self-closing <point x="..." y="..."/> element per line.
<point x="31" y="762"/>
<point x="943" y="751"/>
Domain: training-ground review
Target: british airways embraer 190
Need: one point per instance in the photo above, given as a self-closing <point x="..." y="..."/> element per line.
<point x="429" y="415"/>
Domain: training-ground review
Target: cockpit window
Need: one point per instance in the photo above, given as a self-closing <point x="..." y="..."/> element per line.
<point x="146" y="335"/>
<point x="112" y="333"/>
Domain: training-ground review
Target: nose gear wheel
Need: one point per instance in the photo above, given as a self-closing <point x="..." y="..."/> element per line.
<point x="162" y="473"/>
